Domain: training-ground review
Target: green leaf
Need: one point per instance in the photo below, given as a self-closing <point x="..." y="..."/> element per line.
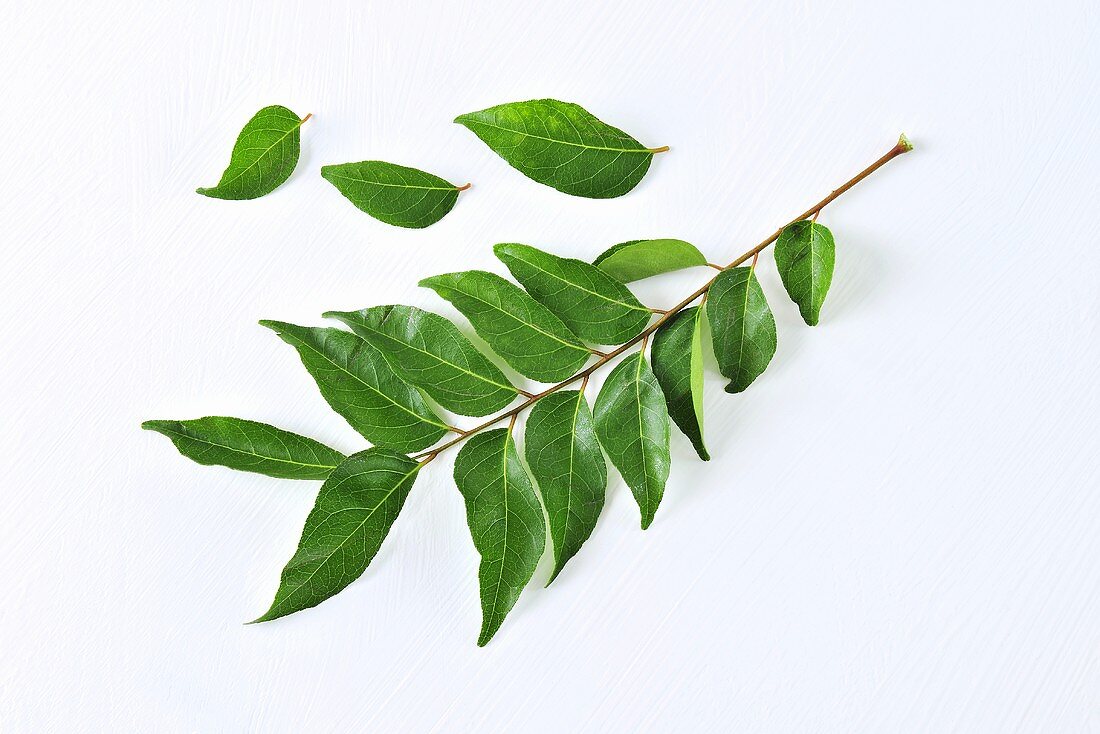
<point x="637" y="259"/>
<point x="428" y="351"/>
<point x="742" y="327"/>
<point x="263" y="157"/>
<point x="249" y="446"/>
<point x="568" y="466"/>
<point x="595" y="306"/>
<point x="525" y="333"/>
<point x="397" y="195"/>
<point x="354" y="512"/>
<point x="505" y="521"/>
<point x="632" y="424"/>
<point x="804" y="256"/>
<point x="678" y="365"/>
<point x="562" y="145"/>
<point x="358" y="383"/>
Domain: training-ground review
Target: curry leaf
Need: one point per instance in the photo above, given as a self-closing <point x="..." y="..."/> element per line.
<point x="678" y="365"/>
<point x="742" y="327"/>
<point x="637" y="259"/>
<point x="397" y="195"/>
<point x="263" y="157"/>
<point x="804" y="256"/>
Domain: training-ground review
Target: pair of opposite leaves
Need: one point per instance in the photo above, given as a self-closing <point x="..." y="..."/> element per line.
<point x="555" y="143"/>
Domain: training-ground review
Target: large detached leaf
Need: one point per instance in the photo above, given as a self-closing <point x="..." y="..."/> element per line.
<point x="637" y="259"/>
<point x="742" y="327"/>
<point x="263" y="157"/>
<point x="397" y="195"/>
<point x="249" y="446"/>
<point x="352" y="516"/>
<point x="678" y="365"/>
<point x="529" y="337"/>
<point x="562" y="145"/>
<point x="505" y="521"/>
<point x="359" y="384"/>
<point x="804" y="256"/>
<point x="595" y="306"/>
<point x="428" y="351"/>
<point x="632" y="424"/>
<point x="568" y="466"/>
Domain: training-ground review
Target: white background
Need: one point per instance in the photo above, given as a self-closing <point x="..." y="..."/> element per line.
<point x="900" y="528"/>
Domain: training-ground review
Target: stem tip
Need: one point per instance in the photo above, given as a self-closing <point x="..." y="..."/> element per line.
<point x="904" y="143"/>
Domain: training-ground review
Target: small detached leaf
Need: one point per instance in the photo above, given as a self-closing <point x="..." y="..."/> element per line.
<point x="263" y="157"/>
<point x="397" y="195"/>
<point x="505" y="519"/>
<point x="352" y="516"/>
<point x="637" y="259"/>
<point x="561" y="144"/>
<point x="249" y="446"/>
<point x="742" y="327"/>
<point x="804" y="256"/>
<point x="678" y="366"/>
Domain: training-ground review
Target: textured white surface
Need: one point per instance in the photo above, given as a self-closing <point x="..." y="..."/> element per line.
<point x="900" y="529"/>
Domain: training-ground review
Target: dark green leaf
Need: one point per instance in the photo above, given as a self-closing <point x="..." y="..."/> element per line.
<point x="742" y="327"/>
<point x="505" y="521"/>
<point x="428" y="351"/>
<point x="561" y="145"/>
<point x="637" y="259"/>
<point x="352" y="516"/>
<point x="249" y="446"/>
<point x="359" y="384"/>
<point x="595" y="306"/>
<point x="404" y="197"/>
<point x="678" y="365"/>
<point x="568" y="467"/>
<point x="264" y="156"/>
<point x="804" y="256"/>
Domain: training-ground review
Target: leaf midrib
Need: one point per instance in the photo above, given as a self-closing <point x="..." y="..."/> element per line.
<point x="392" y="185"/>
<point x="575" y="347"/>
<point x="580" y="287"/>
<point x="561" y="142"/>
<point x="244" y="453"/>
<point x="258" y="158"/>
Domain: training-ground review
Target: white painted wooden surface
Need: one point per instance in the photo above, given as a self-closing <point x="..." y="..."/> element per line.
<point x="900" y="528"/>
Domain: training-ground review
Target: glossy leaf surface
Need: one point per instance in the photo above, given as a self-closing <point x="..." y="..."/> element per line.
<point x="263" y="157"/>
<point x="742" y="327"/>
<point x="397" y="195"/>
<point x="678" y="366"/>
<point x="637" y="259"/>
<point x="805" y="255"/>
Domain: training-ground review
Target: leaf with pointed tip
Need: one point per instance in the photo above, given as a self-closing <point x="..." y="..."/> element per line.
<point x="263" y="157"/>
<point x="397" y="195"/>
<point x="352" y="516"/>
<point x="428" y="351"/>
<point x="561" y="144"/>
<point x="358" y="383"/>
<point x="569" y="469"/>
<point x="505" y="520"/>
<point x="632" y="424"/>
<point x="742" y="327"/>
<point x="678" y="365"/>
<point x="637" y="259"/>
<point x="529" y="337"/>
<point x="804" y="256"/>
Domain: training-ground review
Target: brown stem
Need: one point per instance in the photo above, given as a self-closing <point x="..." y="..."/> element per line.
<point x="662" y="149"/>
<point x="463" y="187"/>
<point x="303" y="122"/>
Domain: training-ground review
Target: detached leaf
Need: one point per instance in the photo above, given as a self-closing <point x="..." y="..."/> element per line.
<point x="358" y="383"/>
<point x="632" y="424"/>
<point x="249" y="446"/>
<point x="505" y="521"/>
<point x="397" y="195"/>
<point x="428" y="351"/>
<point x="568" y="466"/>
<point x="595" y="306"/>
<point x="525" y="333"/>
<point x="804" y="256"/>
<point x="562" y="145"/>
<point x="352" y="516"/>
<point x="678" y="365"/>
<point x="264" y="156"/>
<point x="637" y="259"/>
<point x="742" y="327"/>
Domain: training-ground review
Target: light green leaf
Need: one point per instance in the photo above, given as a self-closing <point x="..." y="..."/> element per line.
<point x="632" y="424"/>
<point x="678" y="365"/>
<point x="264" y="156"/>
<point x="595" y="306"/>
<point x="249" y="446"/>
<point x="568" y="466"/>
<point x="352" y="516"/>
<point x="562" y="145"/>
<point x="428" y="351"/>
<point x="525" y="333"/>
<point x="505" y="519"/>
<point x="397" y="195"/>
<point x="742" y="327"/>
<point x="637" y="259"/>
<point x="358" y="383"/>
<point x="804" y="256"/>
